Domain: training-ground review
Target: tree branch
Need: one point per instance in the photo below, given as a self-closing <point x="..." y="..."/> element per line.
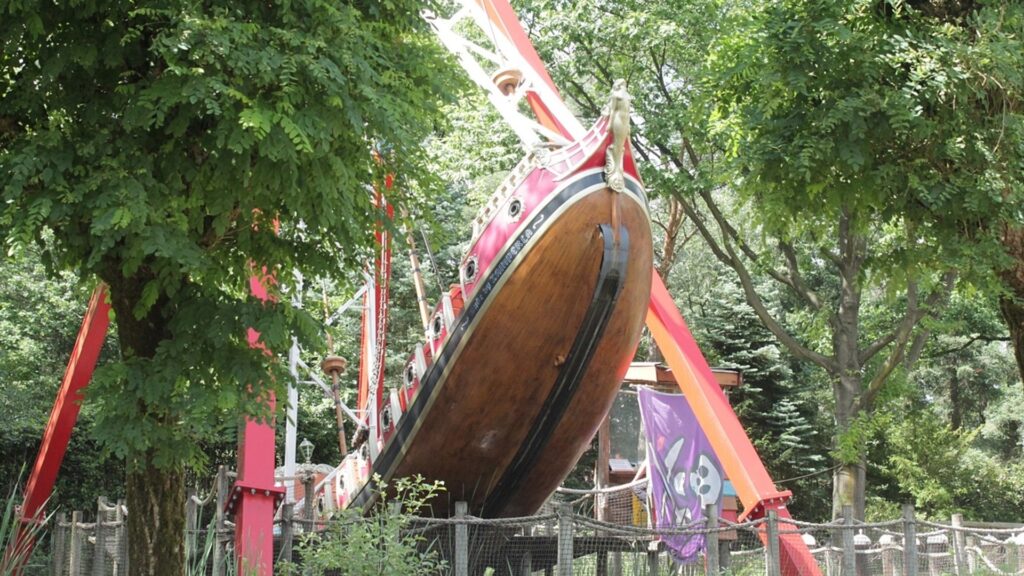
<point x="796" y="280"/>
<point x="662" y="86"/>
<point x="587" y="103"/>
<point x="916" y="346"/>
<point x="902" y="334"/>
<point x="970" y="341"/>
<point x="754" y="257"/>
<point x="728" y="256"/>
<point x="688" y="147"/>
<point x="876" y="346"/>
<point x="641" y="150"/>
<point x="675" y="224"/>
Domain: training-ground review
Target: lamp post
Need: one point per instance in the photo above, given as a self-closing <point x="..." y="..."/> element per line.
<point x="306" y="471"/>
<point x="306" y="447"/>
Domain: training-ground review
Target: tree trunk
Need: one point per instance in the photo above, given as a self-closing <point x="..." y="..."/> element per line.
<point x="156" y="495"/>
<point x="955" y="408"/>
<point x="1013" y="314"/>
<point x="848" y="486"/>
<point x="1012" y="305"/>
<point x="156" y="520"/>
<point x="849" y="480"/>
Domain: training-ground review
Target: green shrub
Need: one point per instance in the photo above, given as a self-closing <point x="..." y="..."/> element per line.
<point x="380" y="544"/>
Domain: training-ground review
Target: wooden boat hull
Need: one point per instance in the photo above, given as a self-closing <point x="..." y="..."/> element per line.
<point x="533" y="363"/>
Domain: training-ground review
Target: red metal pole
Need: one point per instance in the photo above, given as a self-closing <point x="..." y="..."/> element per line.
<point x="254" y="497"/>
<point x="62" y="420"/>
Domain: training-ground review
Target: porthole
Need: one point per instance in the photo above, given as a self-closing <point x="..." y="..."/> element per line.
<point x="515" y="209"/>
<point x="410" y="374"/>
<point x="469" y="270"/>
<point x="438" y="325"/>
<point x="385" y="418"/>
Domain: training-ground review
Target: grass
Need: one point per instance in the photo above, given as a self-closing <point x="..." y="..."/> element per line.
<point x="17" y="538"/>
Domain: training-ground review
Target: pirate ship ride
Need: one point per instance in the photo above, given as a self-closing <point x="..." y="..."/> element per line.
<point x="525" y="354"/>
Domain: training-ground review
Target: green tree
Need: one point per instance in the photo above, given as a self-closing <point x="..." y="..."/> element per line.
<point x="965" y="368"/>
<point x="920" y="458"/>
<point x="937" y="88"/>
<point x="871" y="123"/>
<point x="949" y="438"/>
<point x="158" y="147"/>
<point x="838" y="265"/>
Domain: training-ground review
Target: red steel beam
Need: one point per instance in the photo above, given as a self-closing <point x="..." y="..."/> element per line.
<point x="62" y="420"/>
<point x="254" y="497"/>
<point x="501" y="14"/>
<point x="64" y="414"/>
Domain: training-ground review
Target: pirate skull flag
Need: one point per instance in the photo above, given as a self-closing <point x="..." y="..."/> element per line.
<point x="684" y="473"/>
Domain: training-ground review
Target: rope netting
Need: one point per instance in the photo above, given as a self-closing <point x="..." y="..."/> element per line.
<point x="598" y="533"/>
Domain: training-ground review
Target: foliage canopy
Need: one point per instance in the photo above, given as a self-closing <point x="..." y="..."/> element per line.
<point x="906" y="113"/>
<point x="157" y="146"/>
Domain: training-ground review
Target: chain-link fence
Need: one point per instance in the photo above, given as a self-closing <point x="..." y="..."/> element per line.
<point x="597" y="533"/>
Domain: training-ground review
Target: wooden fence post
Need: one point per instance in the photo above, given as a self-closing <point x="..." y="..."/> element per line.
<point x="959" y="565"/>
<point x="909" y="541"/>
<point x="58" y="547"/>
<point x="308" y="503"/>
<point x="191" y="522"/>
<point x="461" y="540"/>
<point x="76" y="543"/>
<point x="936" y="546"/>
<point x="711" y="540"/>
<point x="602" y="563"/>
<point x="773" y="565"/>
<point x="1012" y="554"/>
<point x="615" y="563"/>
<point x="971" y="541"/>
<point x="861" y="546"/>
<point x="849" y="563"/>
<point x="99" y="554"/>
<point x="121" y="517"/>
<point x="888" y="545"/>
<point x="218" y="523"/>
<point x="565" y="535"/>
<point x="526" y="564"/>
<point x="287" y="531"/>
<point x="653" y="548"/>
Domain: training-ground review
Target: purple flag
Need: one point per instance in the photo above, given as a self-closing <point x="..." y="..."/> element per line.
<point x="684" y="472"/>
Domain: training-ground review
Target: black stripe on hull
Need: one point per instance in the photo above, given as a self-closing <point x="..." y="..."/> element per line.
<point x="388" y="459"/>
<point x="610" y="280"/>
